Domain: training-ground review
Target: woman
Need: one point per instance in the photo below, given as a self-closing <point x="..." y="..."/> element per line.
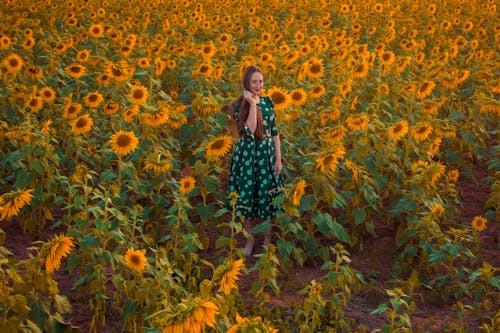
<point x="256" y="163"/>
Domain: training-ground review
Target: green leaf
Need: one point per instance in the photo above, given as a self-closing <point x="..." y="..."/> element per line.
<point x="359" y="215"/>
<point x="380" y="309"/>
<point x="307" y="203"/>
<point x="80" y="281"/>
<point x="205" y="212"/>
<point x="404" y="204"/>
<point x="328" y="227"/>
<point x="494" y="281"/>
<point x="129" y="308"/>
<point x="265" y="226"/>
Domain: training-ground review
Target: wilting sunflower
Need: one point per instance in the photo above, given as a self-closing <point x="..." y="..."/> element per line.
<point x="75" y="71"/>
<point x="12" y="202"/>
<point x="435" y="171"/>
<point x="280" y="98"/>
<point x="192" y="315"/>
<point x="336" y="135"/>
<point x="82" y="124"/>
<point x="357" y="122"/>
<point x="48" y="94"/>
<point x="345" y="87"/>
<point x="72" y="110"/>
<point x="13" y="63"/>
<point x="298" y="192"/>
<point x="298" y="96"/>
<point x="479" y="223"/>
<point x="186" y="184"/>
<point x="159" y="166"/>
<point x="398" y="130"/>
<point x="425" y="88"/>
<point x="434" y="147"/>
<point x="453" y="175"/>
<point x="205" y="105"/>
<point x="123" y="143"/>
<point x="230" y="276"/>
<point x="157" y="118"/>
<point x="317" y="91"/>
<point x="254" y="324"/>
<point x="138" y="94"/>
<point x="219" y="146"/>
<point x="60" y="247"/>
<point x="136" y="260"/>
<point x="329" y="161"/>
<point x="421" y="131"/>
<point x="93" y="100"/>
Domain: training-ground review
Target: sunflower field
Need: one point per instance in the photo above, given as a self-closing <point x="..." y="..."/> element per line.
<point x="116" y="141"/>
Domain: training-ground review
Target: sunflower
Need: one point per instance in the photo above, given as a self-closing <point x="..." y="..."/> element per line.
<point x="298" y="96"/>
<point x="123" y="142"/>
<point x="254" y="324"/>
<point x="219" y="146"/>
<point x="327" y="162"/>
<point x="130" y="113"/>
<point x="437" y="210"/>
<point x="111" y="108"/>
<point x="82" y="125"/>
<point x="225" y="38"/>
<point x="336" y="135"/>
<point x="402" y="64"/>
<point x="290" y="57"/>
<point x="96" y="30"/>
<point x="75" y="71"/>
<point x="298" y="192"/>
<point x="72" y="110"/>
<point x="479" y="223"/>
<point x="93" y="100"/>
<point x="156" y="118"/>
<point x="33" y="72"/>
<point x="280" y="98"/>
<point x="135" y="260"/>
<point x="208" y="50"/>
<point x="317" y="91"/>
<point x="387" y="58"/>
<point x="138" y="94"/>
<point x="398" y="130"/>
<point x="434" y="147"/>
<point x="314" y="68"/>
<point x="193" y="315"/>
<point x="13" y="63"/>
<point x="143" y="62"/>
<point x="159" y="167"/>
<point x="34" y="104"/>
<point x="28" y="43"/>
<point x="357" y="122"/>
<point x="345" y="87"/>
<point x="203" y="69"/>
<point x="47" y="94"/>
<point x="60" y="247"/>
<point x="425" y="88"/>
<point x="11" y="203"/>
<point x="421" y="131"/>
<point x="83" y="56"/>
<point x="230" y="276"/>
<point x="186" y="184"/>
<point x="453" y="175"/>
<point x="205" y="105"/>
<point x="360" y="71"/>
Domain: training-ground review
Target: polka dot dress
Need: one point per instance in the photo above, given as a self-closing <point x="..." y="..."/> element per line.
<point x="252" y="168"/>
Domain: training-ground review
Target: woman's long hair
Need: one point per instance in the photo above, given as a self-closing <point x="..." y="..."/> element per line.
<point x="244" y="106"/>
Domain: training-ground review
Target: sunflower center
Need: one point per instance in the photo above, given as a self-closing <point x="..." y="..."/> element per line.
<point x="72" y="109"/>
<point x="218" y="144"/>
<point x="315" y="68"/>
<point x="82" y="122"/>
<point x="135" y="259"/>
<point x="278" y="98"/>
<point x="138" y="93"/>
<point x="93" y="98"/>
<point x="13" y="62"/>
<point x="296" y="96"/>
<point x="123" y="141"/>
<point x="75" y="69"/>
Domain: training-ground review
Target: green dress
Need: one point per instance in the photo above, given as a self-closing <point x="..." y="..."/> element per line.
<point x="252" y="167"/>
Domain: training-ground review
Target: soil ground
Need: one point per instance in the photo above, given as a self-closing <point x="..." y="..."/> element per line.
<point x="374" y="260"/>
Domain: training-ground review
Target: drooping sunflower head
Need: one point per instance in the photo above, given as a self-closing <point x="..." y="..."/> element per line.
<point x="59" y="247"/>
<point x="219" y="146"/>
<point x="398" y="130"/>
<point x="123" y="143"/>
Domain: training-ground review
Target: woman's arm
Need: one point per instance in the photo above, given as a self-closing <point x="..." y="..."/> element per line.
<point x="277" y="149"/>
<point x="251" y="122"/>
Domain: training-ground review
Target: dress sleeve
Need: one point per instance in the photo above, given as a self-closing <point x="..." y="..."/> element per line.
<point x="274" y="128"/>
<point x="247" y="133"/>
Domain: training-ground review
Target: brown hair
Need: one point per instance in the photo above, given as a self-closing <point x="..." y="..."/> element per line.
<point x="245" y="106"/>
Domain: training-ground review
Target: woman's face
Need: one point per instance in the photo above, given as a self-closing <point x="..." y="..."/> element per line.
<point x="256" y="83"/>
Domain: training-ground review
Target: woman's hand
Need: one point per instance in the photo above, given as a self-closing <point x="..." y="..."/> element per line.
<point x="278" y="167"/>
<point x="247" y="95"/>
